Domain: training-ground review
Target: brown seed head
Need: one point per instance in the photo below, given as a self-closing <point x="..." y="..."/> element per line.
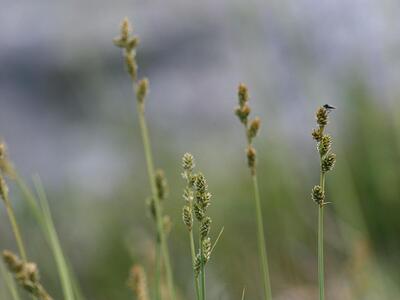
<point x="254" y="127"/>
<point x="243" y="94"/>
<point x="322" y="116"/>
<point x="142" y="90"/>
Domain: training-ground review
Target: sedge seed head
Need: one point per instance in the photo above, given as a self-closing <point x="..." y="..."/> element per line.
<point x="142" y="90"/>
<point x="161" y="184"/>
<point x="254" y="127"/>
<point x="243" y="94"/>
<point x="187" y="217"/>
<point x="251" y="158"/>
<point x="198" y="212"/>
<point x="205" y="227"/>
<point x="131" y="65"/>
<point x="206" y="248"/>
<point x="138" y="282"/>
<point x="324" y="145"/>
<point x="328" y="162"/>
<point x="188" y="163"/>
<point x="201" y="183"/>
<point x="322" y="116"/>
<point x="318" y="195"/>
<point x="242" y="112"/>
<point x="317" y="134"/>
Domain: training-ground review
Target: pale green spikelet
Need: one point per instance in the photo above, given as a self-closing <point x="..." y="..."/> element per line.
<point x="324" y="145"/>
<point x="205" y="227"/>
<point x="187" y="217"/>
<point x="328" y="162"/>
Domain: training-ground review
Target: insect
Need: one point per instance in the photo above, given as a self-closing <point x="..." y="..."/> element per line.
<point x="329" y="108"/>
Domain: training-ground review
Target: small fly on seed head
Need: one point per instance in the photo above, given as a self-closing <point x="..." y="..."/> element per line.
<point x="329" y="108"/>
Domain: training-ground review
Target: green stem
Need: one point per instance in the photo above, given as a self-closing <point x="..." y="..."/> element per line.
<point x="192" y="249"/>
<point x="261" y="241"/>
<point x="321" y="282"/>
<point x="150" y="171"/>
<point x="202" y="273"/>
<point x="15" y="229"/>
<point x="157" y="280"/>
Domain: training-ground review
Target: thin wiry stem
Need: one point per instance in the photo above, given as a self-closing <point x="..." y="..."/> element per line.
<point x="193" y="252"/>
<point x="15" y="228"/>
<point x="321" y="282"/>
<point x="202" y="272"/>
<point x="261" y="240"/>
<point x="157" y="280"/>
<point x="158" y="210"/>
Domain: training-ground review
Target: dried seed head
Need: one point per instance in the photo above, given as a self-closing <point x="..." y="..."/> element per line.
<point x="243" y="94"/>
<point x="126" y="29"/>
<point x="328" y="162"/>
<point x="318" y="195"/>
<point x="317" y="134"/>
<point x="188" y="162"/>
<point x="251" y="158"/>
<point x="242" y="113"/>
<point x="12" y="261"/>
<point x="205" y="227"/>
<point x="324" y="146"/>
<point x="187" y="217"/>
<point x="124" y="40"/>
<point x="26" y="274"/>
<point x="138" y="283"/>
<point x="322" y="116"/>
<point x="254" y="127"/>
<point x="161" y="184"/>
<point x="206" y="248"/>
<point x="132" y="44"/>
<point x="142" y="90"/>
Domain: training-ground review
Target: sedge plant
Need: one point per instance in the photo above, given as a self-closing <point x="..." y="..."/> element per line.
<point x="251" y="130"/>
<point x="197" y="200"/>
<point x="128" y="44"/>
<point x="327" y="161"/>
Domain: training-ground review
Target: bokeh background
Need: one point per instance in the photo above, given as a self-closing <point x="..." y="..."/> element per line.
<point x="68" y="114"/>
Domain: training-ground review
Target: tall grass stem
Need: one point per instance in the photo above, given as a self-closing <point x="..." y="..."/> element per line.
<point x="158" y="211"/>
<point x="261" y="241"/>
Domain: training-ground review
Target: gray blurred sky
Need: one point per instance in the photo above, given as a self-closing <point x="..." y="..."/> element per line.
<point x="65" y="97"/>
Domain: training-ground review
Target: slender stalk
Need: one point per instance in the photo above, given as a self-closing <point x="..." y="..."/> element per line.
<point x="203" y="281"/>
<point x="157" y="282"/>
<point x="252" y="128"/>
<point x="15" y="228"/>
<point x="158" y="211"/>
<point x="202" y="272"/>
<point x="321" y="281"/>
<point x="261" y="240"/>
<point x="192" y="250"/>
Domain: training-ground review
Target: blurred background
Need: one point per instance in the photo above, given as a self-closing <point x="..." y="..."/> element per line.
<point x="68" y="114"/>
